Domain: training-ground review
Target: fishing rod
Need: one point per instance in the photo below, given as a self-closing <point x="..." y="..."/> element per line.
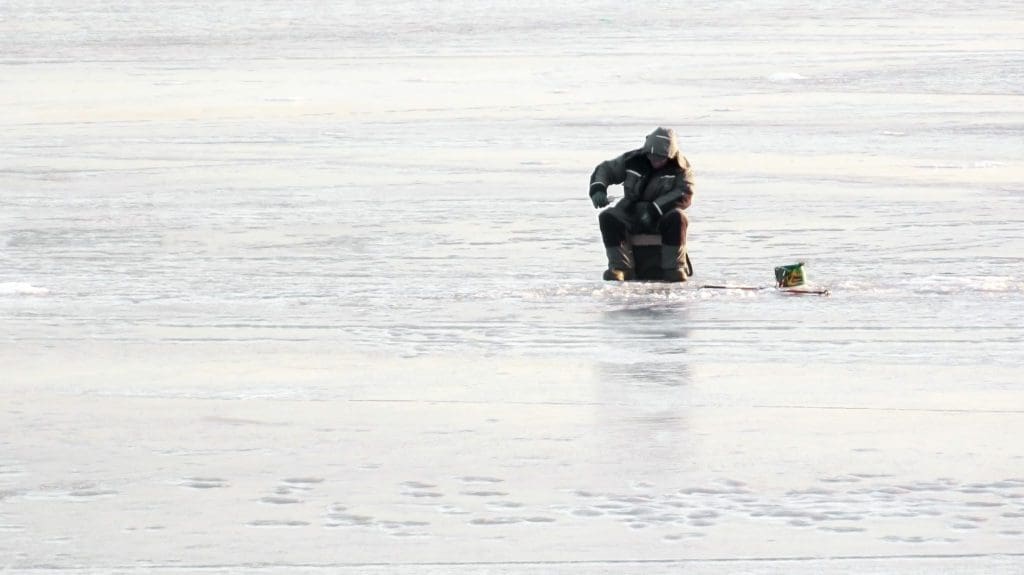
<point x="788" y="279"/>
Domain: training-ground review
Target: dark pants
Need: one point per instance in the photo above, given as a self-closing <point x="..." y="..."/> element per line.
<point x="615" y="228"/>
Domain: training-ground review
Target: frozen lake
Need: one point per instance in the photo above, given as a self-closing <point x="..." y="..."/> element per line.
<point x="293" y="287"/>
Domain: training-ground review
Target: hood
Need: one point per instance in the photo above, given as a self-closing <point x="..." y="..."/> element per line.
<point x="662" y="142"/>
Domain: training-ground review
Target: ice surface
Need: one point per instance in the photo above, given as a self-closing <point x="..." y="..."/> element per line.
<point x="308" y="287"/>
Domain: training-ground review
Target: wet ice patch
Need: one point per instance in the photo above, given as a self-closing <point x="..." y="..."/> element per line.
<point x="480" y="479"/>
<point x="418" y="485"/>
<point x="71" y="492"/>
<point x="302" y="482"/>
<point x="277" y="523"/>
<point x="204" y="482"/>
<point x="851" y="504"/>
<point x="505" y="504"/>
<point x="484" y="493"/>
<point x="339" y="516"/>
<point x="496" y="520"/>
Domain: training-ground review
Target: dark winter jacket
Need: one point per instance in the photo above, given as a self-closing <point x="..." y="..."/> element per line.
<point x="668" y="187"/>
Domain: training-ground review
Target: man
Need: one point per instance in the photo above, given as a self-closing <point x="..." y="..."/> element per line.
<point x="658" y="185"/>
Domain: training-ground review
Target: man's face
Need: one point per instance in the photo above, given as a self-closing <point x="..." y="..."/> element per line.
<point x="657" y="162"/>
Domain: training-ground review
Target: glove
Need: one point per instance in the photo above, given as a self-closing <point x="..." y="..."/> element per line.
<point x="649" y="215"/>
<point x="600" y="198"/>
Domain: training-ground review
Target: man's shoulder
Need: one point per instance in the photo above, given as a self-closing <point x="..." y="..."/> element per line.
<point x="635" y="159"/>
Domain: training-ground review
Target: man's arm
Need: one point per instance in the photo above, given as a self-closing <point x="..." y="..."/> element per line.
<point x="608" y="173"/>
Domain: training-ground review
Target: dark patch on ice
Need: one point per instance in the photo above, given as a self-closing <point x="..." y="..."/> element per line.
<point x="423" y="494"/>
<point x="1004" y="484"/>
<point x="204" y="482"/>
<point x="392" y="525"/>
<point x="496" y="521"/>
<point x="885" y="491"/>
<point x="680" y="536"/>
<point x="918" y="539"/>
<point x="505" y="504"/>
<point x="336" y="519"/>
<point x="485" y="493"/>
<point x="841" y="479"/>
<point x="539" y="519"/>
<point x="480" y="479"/>
<point x="942" y="485"/>
<point x="810" y="491"/>
<point x="971" y="518"/>
<point x="845" y="506"/>
<point x="667" y="518"/>
<point x="91" y="493"/>
<point x="418" y="485"/>
<point x="729" y="489"/>
<point x="705" y="514"/>
<point x="277" y="523"/>
<point x="632" y="511"/>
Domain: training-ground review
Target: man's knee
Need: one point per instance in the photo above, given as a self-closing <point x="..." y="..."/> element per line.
<point x="674" y="219"/>
<point x="613" y="229"/>
<point x="610" y="221"/>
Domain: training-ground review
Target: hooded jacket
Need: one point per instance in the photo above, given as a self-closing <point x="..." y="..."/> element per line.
<point x="667" y="188"/>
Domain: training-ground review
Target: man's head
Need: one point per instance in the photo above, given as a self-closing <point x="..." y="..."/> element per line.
<point x="660" y="146"/>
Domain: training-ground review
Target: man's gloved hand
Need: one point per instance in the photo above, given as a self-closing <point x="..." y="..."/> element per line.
<point x="600" y="198"/>
<point x="649" y="215"/>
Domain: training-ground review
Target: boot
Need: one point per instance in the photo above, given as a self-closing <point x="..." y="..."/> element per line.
<point x="620" y="264"/>
<point x="614" y="275"/>
<point x="673" y="263"/>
